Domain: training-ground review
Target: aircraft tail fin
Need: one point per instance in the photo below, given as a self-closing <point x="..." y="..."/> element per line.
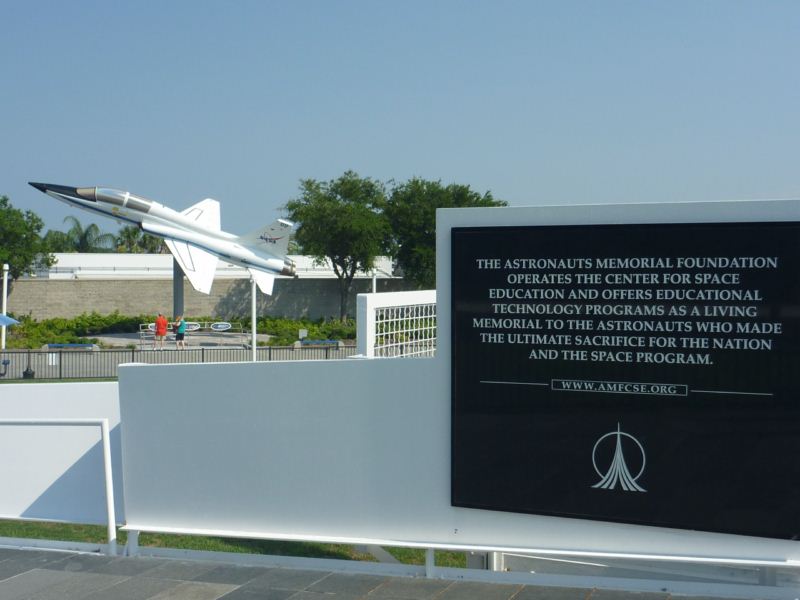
<point x="263" y="280"/>
<point x="273" y="238"/>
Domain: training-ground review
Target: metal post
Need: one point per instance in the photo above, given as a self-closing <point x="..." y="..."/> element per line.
<point x="253" y="315"/>
<point x="133" y="543"/>
<point x="496" y="561"/>
<point x="5" y="294"/>
<point x="112" y="521"/>
<point x="365" y="323"/>
<point x="177" y="289"/>
<point x="767" y="576"/>
<point x="430" y="562"/>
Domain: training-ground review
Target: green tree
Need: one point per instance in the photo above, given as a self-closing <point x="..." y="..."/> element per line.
<point x="89" y="238"/>
<point x="129" y="239"/>
<point x="58" y="241"/>
<point x="294" y="247"/>
<point x="20" y="244"/>
<point x="411" y="211"/>
<point x="342" y="221"/>
<point x="153" y="245"/>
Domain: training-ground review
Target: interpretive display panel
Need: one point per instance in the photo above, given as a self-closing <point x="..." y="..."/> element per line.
<point x="645" y="374"/>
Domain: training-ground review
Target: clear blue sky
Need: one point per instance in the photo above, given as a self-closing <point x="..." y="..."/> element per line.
<point x="539" y="102"/>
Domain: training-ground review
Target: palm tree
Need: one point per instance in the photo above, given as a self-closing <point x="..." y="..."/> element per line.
<point x="58" y="241"/>
<point x="153" y="245"/>
<point x="88" y="239"/>
<point x="129" y="239"/>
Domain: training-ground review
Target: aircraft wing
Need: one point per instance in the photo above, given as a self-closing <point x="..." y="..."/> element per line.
<point x="198" y="265"/>
<point x="264" y="281"/>
<point x="205" y="213"/>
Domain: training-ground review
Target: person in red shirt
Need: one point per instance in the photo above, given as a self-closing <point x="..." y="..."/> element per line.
<point x="161" y="332"/>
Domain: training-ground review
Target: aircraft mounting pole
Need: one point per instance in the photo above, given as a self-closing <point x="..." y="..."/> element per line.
<point x="5" y="294"/>
<point x="177" y="289"/>
<point x="253" y="315"/>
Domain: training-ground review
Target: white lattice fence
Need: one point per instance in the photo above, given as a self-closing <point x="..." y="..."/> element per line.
<point x="397" y="324"/>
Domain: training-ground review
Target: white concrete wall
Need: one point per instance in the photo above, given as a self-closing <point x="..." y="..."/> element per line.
<point x="56" y="472"/>
<point x="349" y="451"/>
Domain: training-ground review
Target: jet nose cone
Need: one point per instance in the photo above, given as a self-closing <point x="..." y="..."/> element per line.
<point x="63" y="190"/>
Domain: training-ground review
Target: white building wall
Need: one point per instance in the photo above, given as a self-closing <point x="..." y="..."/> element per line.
<point x="159" y="266"/>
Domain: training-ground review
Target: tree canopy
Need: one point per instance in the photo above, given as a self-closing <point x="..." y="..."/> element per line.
<point x="79" y="238"/>
<point x="342" y="220"/>
<point x="58" y="241"/>
<point x="20" y="244"/>
<point x="130" y="239"/>
<point x="411" y="211"/>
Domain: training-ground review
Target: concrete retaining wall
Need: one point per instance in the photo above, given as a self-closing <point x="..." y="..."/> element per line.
<point x="312" y="298"/>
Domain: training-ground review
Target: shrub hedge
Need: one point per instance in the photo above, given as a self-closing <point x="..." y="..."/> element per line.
<point x="31" y="333"/>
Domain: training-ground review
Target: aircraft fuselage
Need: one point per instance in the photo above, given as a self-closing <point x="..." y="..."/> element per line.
<point x="164" y="222"/>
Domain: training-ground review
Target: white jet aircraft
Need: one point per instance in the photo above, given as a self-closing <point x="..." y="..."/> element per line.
<point x="193" y="236"/>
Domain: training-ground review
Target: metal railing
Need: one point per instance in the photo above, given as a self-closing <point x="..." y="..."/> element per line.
<point x="103" y="364"/>
<point x="397" y="324"/>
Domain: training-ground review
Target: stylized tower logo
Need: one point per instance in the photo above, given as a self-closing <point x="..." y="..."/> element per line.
<point x="618" y="472"/>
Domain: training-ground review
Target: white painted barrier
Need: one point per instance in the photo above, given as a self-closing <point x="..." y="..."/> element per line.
<point x="105" y="435"/>
<point x="55" y="473"/>
<point x="343" y="451"/>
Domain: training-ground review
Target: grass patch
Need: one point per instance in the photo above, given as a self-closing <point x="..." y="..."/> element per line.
<point x="251" y="546"/>
<point x="416" y="556"/>
<point x="92" y="534"/>
<point x="96" y="534"/>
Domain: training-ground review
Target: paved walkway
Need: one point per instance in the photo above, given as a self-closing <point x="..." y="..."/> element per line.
<point x="48" y="575"/>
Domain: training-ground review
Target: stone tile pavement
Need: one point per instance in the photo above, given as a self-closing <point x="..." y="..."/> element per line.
<point x="49" y="575"/>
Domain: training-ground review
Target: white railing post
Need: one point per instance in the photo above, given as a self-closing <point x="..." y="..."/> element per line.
<point x="430" y="562"/>
<point x="133" y="543"/>
<point x="253" y="316"/>
<point x="112" y="519"/>
<point x="5" y="295"/>
<point x="496" y="561"/>
<point x="365" y="323"/>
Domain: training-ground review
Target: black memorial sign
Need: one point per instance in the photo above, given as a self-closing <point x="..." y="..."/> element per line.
<point x="642" y="374"/>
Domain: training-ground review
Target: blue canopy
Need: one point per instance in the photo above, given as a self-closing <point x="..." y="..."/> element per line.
<point x="6" y="320"/>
